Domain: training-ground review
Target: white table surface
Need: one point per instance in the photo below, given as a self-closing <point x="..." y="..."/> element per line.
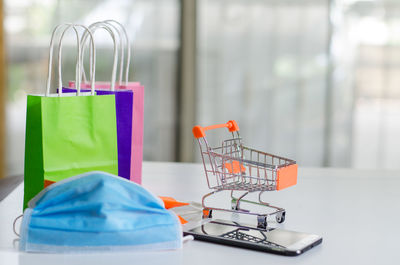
<point x="356" y="211"/>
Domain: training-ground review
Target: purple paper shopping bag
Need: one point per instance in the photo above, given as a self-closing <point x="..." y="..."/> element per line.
<point x="137" y="129"/>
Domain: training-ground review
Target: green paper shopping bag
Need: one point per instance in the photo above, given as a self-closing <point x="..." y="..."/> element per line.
<point x="68" y="133"/>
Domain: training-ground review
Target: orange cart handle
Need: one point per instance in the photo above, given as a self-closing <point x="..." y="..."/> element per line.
<point x="199" y="131"/>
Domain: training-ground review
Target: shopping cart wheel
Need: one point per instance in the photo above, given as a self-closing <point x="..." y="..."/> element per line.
<point x="207" y="213"/>
<point x="233" y="205"/>
<point x="280" y="217"/>
<point x="262" y="221"/>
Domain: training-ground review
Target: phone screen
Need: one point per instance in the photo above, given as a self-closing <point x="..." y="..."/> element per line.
<point x="271" y="239"/>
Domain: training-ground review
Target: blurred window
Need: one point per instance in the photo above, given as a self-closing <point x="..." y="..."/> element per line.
<point x="312" y="80"/>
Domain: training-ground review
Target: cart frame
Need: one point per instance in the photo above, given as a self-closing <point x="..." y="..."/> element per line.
<point x="235" y="167"/>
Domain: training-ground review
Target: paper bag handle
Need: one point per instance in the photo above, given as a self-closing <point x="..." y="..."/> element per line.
<point x="111" y="23"/>
<point x="78" y="74"/>
<point x="94" y="27"/>
<point x="78" y="65"/>
<point x="128" y="49"/>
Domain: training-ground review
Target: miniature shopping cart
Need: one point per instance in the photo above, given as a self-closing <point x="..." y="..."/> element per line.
<point x="235" y="167"/>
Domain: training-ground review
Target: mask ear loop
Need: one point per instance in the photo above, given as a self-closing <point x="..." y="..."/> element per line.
<point x="15" y="221"/>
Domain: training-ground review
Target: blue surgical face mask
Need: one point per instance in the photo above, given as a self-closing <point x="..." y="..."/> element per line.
<point x="97" y="211"/>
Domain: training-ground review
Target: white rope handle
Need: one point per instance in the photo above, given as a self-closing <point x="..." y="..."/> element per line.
<point x="77" y="68"/>
<point x="51" y="55"/>
<point x="128" y="50"/>
<point x="94" y="27"/>
<point x="122" y="49"/>
<point x="78" y="65"/>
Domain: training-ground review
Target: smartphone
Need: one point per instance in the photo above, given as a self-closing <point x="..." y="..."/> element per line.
<point x="272" y="240"/>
